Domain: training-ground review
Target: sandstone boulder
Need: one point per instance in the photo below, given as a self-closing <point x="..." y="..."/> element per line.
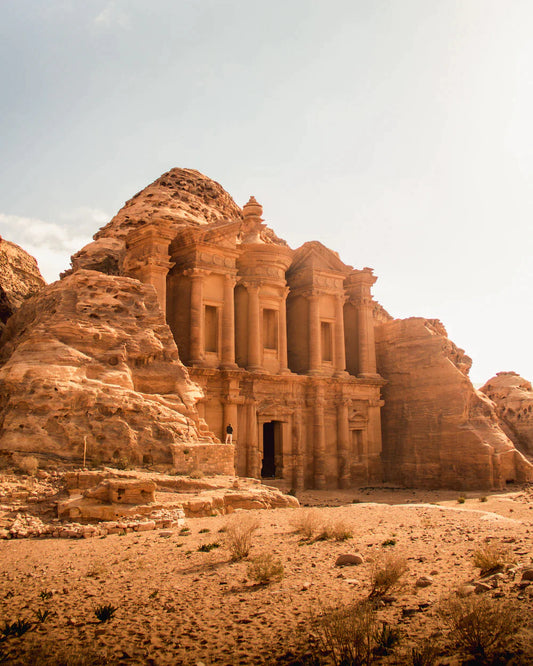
<point x="513" y="397"/>
<point x="438" y="431"/>
<point x="90" y="363"/>
<point x="20" y="278"/>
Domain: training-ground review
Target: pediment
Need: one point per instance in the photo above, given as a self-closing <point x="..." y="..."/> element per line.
<point x="317" y="257"/>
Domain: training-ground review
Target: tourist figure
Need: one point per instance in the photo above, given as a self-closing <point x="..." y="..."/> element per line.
<point x="229" y="434"/>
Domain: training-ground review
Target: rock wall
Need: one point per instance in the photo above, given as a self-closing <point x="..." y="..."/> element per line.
<point x="513" y="398"/>
<point x="90" y="361"/>
<point x="20" y="278"/>
<point x="438" y="431"/>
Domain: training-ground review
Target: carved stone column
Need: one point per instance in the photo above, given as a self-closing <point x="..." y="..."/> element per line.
<point x="340" y="352"/>
<point x="367" y="344"/>
<point x="254" y="337"/>
<point x="282" y="333"/>
<point x="358" y="285"/>
<point x="230" y="416"/>
<point x="147" y="258"/>
<point x="319" y="441"/>
<point x="297" y="447"/>
<point x="343" y="439"/>
<point x="228" y="325"/>
<point x="196" y="343"/>
<point x="314" y="335"/>
<point x="253" y="455"/>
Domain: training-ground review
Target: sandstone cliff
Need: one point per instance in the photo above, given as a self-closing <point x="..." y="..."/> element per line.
<point x="92" y="357"/>
<point x="19" y="278"/>
<point x="513" y="397"/>
<point x="438" y="431"/>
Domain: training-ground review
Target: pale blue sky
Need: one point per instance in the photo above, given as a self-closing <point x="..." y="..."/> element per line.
<point x="398" y="132"/>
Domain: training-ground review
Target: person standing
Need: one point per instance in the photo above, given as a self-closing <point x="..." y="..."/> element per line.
<point x="229" y="434"/>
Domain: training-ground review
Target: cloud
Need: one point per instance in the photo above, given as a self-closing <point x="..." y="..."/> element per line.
<point x="50" y="243"/>
<point x="112" y="16"/>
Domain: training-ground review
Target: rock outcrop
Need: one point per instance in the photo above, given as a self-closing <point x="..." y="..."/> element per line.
<point x="178" y="198"/>
<point x="438" y="431"/>
<point x="513" y="397"/>
<point x="20" y="278"/>
<point x="90" y="363"/>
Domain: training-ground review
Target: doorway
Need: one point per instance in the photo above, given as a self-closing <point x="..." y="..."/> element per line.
<point x="271" y="448"/>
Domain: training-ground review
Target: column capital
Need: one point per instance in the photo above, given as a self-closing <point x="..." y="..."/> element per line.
<point x="231" y="278"/>
<point x="196" y="272"/>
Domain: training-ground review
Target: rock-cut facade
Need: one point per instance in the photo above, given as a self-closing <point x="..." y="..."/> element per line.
<point x="281" y="341"/>
<point x="322" y="388"/>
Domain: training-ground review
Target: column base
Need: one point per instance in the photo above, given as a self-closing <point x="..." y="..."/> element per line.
<point x="314" y="373"/>
<point x="257" y="369"/>
<point x="228" y="366"/>
<point x="342" y="374"/>
<point x="369" y="375"/>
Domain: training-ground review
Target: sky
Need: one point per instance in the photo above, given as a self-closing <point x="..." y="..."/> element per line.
<point x="397" y="132"/>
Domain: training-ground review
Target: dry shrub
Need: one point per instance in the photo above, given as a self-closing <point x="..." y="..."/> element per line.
<point x="339" y="530"/>
<point x="348" y="633"/>
<point x="265" y="568"/>
<point x="239" y="532"/>
<point x="425" y="656"/>
<point x="27" y="464"/>
<point x="481" y="625"/>
<point x="387" y="572"/>
<point x="306" y="522"/>
<point x="492" y="557"/>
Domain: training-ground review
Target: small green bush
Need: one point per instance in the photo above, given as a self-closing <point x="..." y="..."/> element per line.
<point x="105" y="612"/>
<point x="207" y="547"/>
<point x="42" y="614"/>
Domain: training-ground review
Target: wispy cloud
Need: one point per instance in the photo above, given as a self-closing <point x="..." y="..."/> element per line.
<point x="112" y="16"/>
<point x="51" y="243"/>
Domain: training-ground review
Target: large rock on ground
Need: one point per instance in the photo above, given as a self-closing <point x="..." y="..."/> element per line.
<point x="438" y="431"/>
<point x="20" y="278"/>
<point x="90" y="360"/>
<point x="513" y="397"/>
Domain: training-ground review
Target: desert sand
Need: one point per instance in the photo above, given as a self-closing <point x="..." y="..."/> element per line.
<point x="176" y="604"/>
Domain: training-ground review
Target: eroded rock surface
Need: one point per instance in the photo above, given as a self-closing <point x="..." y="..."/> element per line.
<point x="513" y="397"/>
<point x="178" y="198"/>
<point x="20" y="278"/>
<point x="89" y="362"/>
<point x="438" y="431"/>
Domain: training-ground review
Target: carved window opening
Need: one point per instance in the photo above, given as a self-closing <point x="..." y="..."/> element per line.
<point x="270" y="329"/>
<point x="211" y="328"/>
<point x="326" y="339"/>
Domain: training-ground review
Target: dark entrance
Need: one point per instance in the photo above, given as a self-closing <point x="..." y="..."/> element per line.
<point x="270" y="448"/>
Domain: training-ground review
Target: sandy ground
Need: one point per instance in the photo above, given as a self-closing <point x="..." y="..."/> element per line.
<point x="178" y="605"/>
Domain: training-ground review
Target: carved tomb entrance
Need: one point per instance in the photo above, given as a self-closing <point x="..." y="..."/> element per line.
<point x="272" y="449"/>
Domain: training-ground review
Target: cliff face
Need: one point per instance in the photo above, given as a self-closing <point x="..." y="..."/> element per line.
<point x="20" y="278"/>
<point x="513" y="398"/>
<point x="178" y="198"/>
<point x="91" y="356"/>
<point x="438" y="431"/>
